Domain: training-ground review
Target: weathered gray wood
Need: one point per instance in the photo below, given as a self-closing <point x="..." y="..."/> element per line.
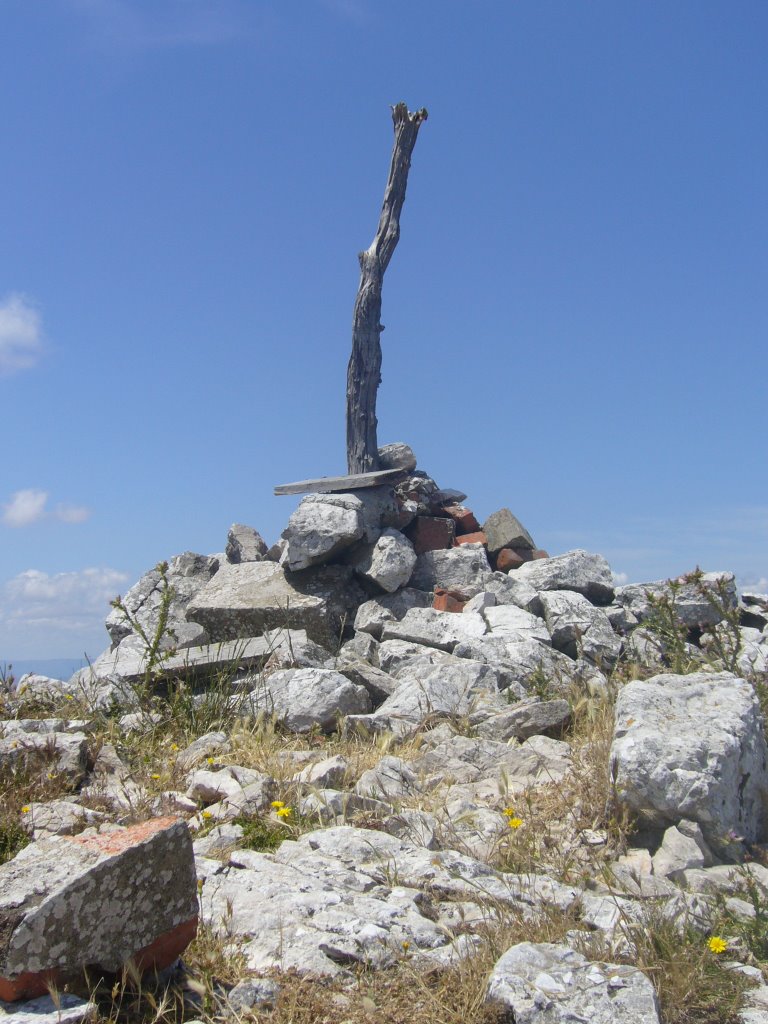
<point x="364" y="370"/>
<point x="340" y="484"/>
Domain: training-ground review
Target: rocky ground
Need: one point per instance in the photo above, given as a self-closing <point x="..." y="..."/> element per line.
<point x="401" y="766"/>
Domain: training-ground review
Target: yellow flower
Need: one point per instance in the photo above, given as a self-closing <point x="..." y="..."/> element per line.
<point x="26" y="809"/>
<point x="68" y="696"/>
<point x="509" y="811"/>
<point x="207" y="814"/>
<point x="515" y="822"/>
<point x="717" y="945"/>
<point x="406" y="946"/>
<point x="154" y="775"/>
<point x="284" y="812"/>
<point x="174" y="746"/>
<point x="212" y="760"/>
<point x="277" y="804"/>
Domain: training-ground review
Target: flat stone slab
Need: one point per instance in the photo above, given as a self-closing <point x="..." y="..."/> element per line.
<point x="67" y="902"/>
<point x="248" y="599"/>
<point x="249" y="652"/>
<point x="334" y="484"/>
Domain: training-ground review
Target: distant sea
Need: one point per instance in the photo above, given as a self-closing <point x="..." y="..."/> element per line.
<point x="56" y="668"/>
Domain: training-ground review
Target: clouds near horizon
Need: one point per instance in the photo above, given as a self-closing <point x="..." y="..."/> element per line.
<point x="62" y="605"/>
<point x="20" y="335"/>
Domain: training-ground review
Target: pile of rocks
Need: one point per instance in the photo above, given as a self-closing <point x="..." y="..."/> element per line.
<point x="392" y="610"/>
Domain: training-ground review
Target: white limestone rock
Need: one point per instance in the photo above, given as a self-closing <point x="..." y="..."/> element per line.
<point x="187" y="574"/>
<point x="245" y="544"/>
<point x="577" y="570"/>
<point x="543" y="983"/>
<point x="578" y="628"/>
<point x="251" y="598"/>
<point x="510" y="589"/>
<point x="513" y="624"/>
<point x="434" y="628"/>
<point x="326" y="774"/>
<point x="529" y="717"/>
<point x="373" y="615"/>
<point x="391" y="779"/>
<point x="388" y="562"/>
<point x="693" y="747"/>
<point x="322" y="526"/>
<point x="465" y="569"/>
<point x="59" y="818"/>
<point x="454" y="686"/>
<point x="523" y="664"/>
<point x="397" y="655"/>
<point x="64" y="1009"/>
<point x="690" y="598"/>
<point x="305" y="697"/>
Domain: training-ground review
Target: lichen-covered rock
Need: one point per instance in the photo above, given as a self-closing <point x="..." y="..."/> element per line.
<point x="67" y="902"/>
<point x="692" y="746"/>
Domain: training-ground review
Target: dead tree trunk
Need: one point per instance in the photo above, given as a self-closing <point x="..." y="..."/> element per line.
<point x="364" y="370"/>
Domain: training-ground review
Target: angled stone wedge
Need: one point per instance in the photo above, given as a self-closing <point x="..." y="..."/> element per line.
<point x="72" y="901"/>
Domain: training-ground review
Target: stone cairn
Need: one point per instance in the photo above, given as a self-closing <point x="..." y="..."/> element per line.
<point x="385" y="609"/>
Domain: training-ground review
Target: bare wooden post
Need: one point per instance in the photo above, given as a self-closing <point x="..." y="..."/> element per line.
<point x="364" y="370"/>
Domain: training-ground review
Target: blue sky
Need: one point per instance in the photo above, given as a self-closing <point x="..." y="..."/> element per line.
<point x="576" y="314"/>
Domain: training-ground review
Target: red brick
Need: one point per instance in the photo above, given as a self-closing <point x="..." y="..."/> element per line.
<point x="472" y="538"/>
<point x="448" y="600"/>
<point x="464" y="518"/>
<point x="166" y="948"/>
<point x="30" y="985"/>
<point x="507" y="560"/>
<point x="430" y="533"/>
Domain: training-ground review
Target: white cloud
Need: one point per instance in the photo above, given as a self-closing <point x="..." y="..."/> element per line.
<point x="28" y="506"/>
<point x="71" y="513"/>
<point x="25" y="507"/>
<point x="20" y="335"/>
<point x="65" y="601"/>
<point x="620" y="578"/>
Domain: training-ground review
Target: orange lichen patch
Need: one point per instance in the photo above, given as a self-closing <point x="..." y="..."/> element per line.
<point x="118" y="841"/>
<point x="164" y="950"/>
<point x="29" y="985"/>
